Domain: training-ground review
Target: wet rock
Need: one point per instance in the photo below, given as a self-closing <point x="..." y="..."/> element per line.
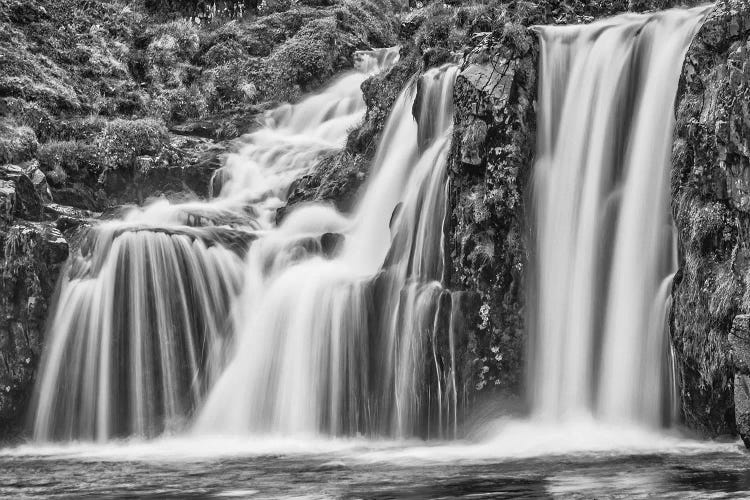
<point x="710" y="203"/>
<point x="38" y="179"/>
<point x="335" y="178"/>
<point x="68" y="218"/>
<point x="490" y="163"/>
<point x="331" y="243"/>
<point x="32" y="255"/>
<point x="184" y="171"/>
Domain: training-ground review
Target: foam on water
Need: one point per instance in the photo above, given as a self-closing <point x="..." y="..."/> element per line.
<point x="502" y="440"/>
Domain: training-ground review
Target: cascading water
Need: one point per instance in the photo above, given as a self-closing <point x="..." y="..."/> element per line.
<point x="330" y="322"/>
<point x="601" y="215"/>
<point x="142" y="324"/>
<point x="340" y="345"/>
<point x="340" y="325"/>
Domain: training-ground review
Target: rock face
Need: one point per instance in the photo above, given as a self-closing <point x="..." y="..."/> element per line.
<point x="490" y="163"/>
<point x="138" y="110"/>
<point x="33" y="253"/>
<point x="710" y="183"/>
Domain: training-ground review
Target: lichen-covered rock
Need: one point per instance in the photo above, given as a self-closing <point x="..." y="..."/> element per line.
<point x="32" y="254"/>
<point x="709" y="201"/>
<point x="489" y="165"/>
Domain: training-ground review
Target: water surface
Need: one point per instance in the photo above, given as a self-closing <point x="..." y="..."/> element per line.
<point x="513" y="464"/>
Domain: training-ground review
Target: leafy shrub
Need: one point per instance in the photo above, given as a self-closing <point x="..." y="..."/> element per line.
<point x="30" y="114"/>
<point x="50" y="94"/>
<point x="180" y="38"/>
<point x="227" y="82"/>
<point x="436" y="31"/>
<point x="123" y="141"/>
<point x="270" y="6"/>
<point x="181" y="104"/>
<point x="369" y="20"/>
<point x="80" y="128"/>
<point x="60" y="160"/>
<point x="17" y="143"/>
<point x="222" y="53"/>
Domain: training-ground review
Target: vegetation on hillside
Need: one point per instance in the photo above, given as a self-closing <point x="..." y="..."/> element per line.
<point x="92" y="86"/>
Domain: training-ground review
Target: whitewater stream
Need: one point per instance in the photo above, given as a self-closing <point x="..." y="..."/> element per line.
<point x="207" y="349"/>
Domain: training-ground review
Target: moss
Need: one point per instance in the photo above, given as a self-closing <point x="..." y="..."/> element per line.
<point x="310" y="57"/>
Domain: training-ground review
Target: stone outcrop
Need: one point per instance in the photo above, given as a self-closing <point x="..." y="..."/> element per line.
<point x="182" y="170"/>
<point x="32" y="255"/>
<point x="710" y="175"/>
<point x="490" y="164"/>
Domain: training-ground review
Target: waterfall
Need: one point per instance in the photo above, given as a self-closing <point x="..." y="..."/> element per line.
<point x="142" y="326"/>
<point x="602" y="224"/>
<point x="339" y="342"/>
<point x="208" y="314"/>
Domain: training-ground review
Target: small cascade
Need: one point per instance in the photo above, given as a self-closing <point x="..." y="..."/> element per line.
<point x="601" y="216"/>
<point x="143" y="323"/>
<point x="141" y="313"/>
<point x="344" y="342"/>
